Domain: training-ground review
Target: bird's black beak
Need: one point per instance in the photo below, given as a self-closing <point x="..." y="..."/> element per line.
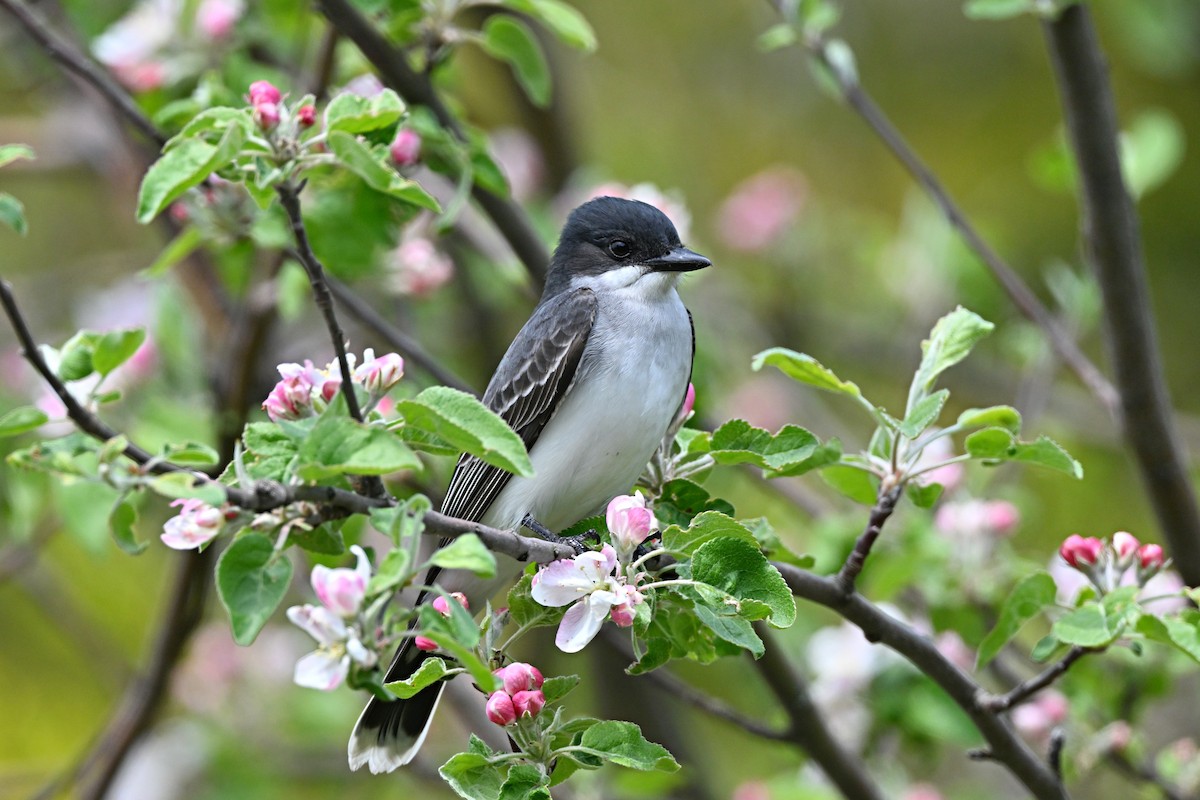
<point x="678" y="260"/>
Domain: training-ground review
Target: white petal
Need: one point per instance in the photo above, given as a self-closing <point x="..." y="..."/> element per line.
<point x="359" y="652"/>
<point x="318" y="623"/>
<point x="565" y="581"/>
<point x="580" y="625"/>
<point x="322" y="670"/>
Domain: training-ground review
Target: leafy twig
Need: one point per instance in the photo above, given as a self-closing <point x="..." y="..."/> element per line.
<point x="882" y="511"/>
<point x="1026" y="689"/>
<point x="1113" y="245"/>
<point x="1004" y="745"/>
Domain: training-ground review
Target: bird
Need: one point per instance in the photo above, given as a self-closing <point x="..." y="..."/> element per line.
<point x="591" y="384"/>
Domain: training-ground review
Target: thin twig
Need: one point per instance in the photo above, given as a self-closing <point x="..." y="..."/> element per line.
<point x="806" y="728"/>
<point x="1026" y="689"/>
<point x="1112" y="243"/>
<point x="1054" y="751"/>
<point x="66" y="54"/>
<point x="1004" y="745"/>
<point x="404" y="344"/>
<point x="884" y="506"/>
<point x="1145" y="773"/>
<point x="1017" y="290"/>
<point x="393" y="68"/>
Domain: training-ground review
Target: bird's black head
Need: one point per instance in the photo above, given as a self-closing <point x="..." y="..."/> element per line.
<point x="608" y="233"/>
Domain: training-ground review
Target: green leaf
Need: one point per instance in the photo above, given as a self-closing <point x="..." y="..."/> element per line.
<point x="471" y="775"/>
<point x="951" y="340"/>
<point x="998" y="444"/>
<point x="804" y="368"/>
<point x="1026" y="601"/>
<point x="923" y="414"/>
<point x="114" y="348"/>
<point x="179" y="248"/>
<point x="525" y="782"/>
<point x="340" y="446"/>
<point x="354" y="113"/>
<point x="1151" y="150"/>
<point x="705" y="527"/>
<point x="11" y="152"/>
<point x="391" y="572"/>
<point x="730" y="627"/>
<point x="739" y="569"/>
<point x="460" y="419"/>
<point x="777" y="37"/>
<point x="191" y="454"/>
<point x="859" y="485"/>
<point x="75" y="358"/>
<point x="511" y="41"/>
<point x="183" y="166"/>
<point x="12" y="213"/>
<point x="121" y="520"/>
<point x="21" y="420"/>
<point x="1045" y="648"/>
<point x="557" y="688"/>
<point x="923" y="495"/>
<point x="1181" y="631"/>
<point x="739" y="442"/>
<point x="622" y="743"/>
<point x="377" y="172"/>
<point x="561" y="19"/>
<point x="1097" y="624"/>
<point x="251" y="581"/>
<point x="466" y="552"/>
<point x="432" y="670"/>
<point x="177" y="485"/>
<point x="998" y="9"/>
<point x="1005" y="417"/>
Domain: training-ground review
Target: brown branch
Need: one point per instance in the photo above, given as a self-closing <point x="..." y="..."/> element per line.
<point x="884" y="506"/>
<point x="390" y="63"/>
<point x="67" y="55"/>
<point x="1026" y="689"/>
<point x="1004" y="745"/>
<point x="1112" y="243"/>
<point x="807" y="729"/>
<point x="1017" y="290"/>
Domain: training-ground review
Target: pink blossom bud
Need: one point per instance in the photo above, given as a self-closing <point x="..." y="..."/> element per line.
<point x="196" y="524"/>
<point x="623" y="614"/>
<point x="261" y="92"/>
<point x="1125" y="546"/>
<point x="520" y="677"/>
<point x="179" y="212"/>
<point x="1081" y="552"/>
<point x="1150" y="556"/>
<point x="306" y="115"/>
<point x="529" y="702"/>
<point x="422" y="643"/>
<point x="266" y="115"/>
<point x="500" y="709"/>
<point x="689" y="402"/>
<point x="442" y="607"/>
<point x="380" y="374"/>
<point x="406" y="147"/>
<point x="342" y="590"/>
<point x="629" y="521"/>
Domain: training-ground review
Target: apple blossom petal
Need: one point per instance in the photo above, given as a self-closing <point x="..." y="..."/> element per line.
<point x="580" y="625"/>
<point x="319" y="623"/>
<point x="322" y="670"/>
<point x="359" y="653"/>
<point x="566" y="580"/>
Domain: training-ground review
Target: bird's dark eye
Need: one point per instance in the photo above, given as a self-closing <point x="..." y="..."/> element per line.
<point x="619" y="249"/>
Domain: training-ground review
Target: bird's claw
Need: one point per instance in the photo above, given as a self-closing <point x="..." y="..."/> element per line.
<point x="580" y="543"/>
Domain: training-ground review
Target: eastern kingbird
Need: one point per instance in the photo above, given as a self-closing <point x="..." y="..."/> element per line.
<point x="590" y="384"/>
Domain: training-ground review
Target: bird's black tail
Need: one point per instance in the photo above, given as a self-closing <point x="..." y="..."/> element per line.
<point x="389" y="734"/>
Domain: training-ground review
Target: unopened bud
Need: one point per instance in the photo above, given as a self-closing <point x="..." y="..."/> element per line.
<point x="406" y="147"/>
<point x="529" y="702"/>
<point x="306" y="115"/>
<point x="500" y="709"/>
<point x="261" y="92"/>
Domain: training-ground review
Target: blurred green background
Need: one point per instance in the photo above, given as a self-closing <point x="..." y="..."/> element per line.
<point x="679" y="96"/>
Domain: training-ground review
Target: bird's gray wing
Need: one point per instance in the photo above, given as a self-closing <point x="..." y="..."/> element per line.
<point x="525" y="391"/>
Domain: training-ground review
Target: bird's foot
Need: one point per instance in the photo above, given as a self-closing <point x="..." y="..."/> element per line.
<point x="580" y="543"/>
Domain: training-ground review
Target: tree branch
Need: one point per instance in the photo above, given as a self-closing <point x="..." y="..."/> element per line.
<point x="806" y="727"/>
<point x="1003" y="744"/>
<point x="392" y="67"/>
<point x="1026" y="302"/>
<point x="884" y="506"/>
<point x="1024" y="690"/>
<point x="62" y="51"/>
<point x="1113" y="245"/>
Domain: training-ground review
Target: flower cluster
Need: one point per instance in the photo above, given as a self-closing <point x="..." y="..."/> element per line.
<point x="196" y="524"/>
<point x="520" y="697"/>
<point x="599" y="585"/>
<point x="335" y="625"/>
<point x="266" y="101"/>
<point x="442" y="607"/>
<point x="1105" y="562"/>
<point x="305" y="391"/>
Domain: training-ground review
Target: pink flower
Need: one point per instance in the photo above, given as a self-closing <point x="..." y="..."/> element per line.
<point x="406" y="147"/>
<point x="936" y="452"/>
<point x="761" y="208"/>
<point x="586" y="581"/>
<point x="441" y="606"/>
<point x="500" y="709"/>
<point x="337" y="647"/>
<point x="624" y="612"/>
<point x="1150" y="556"/>
<point x="975" y="518"/>
<point x="1125" y="546"/>
<point x="529" y="702"/>
<point x="424" y="643"/>
<point x="520" y="677"/>
<point x="342" y="590"/>
<point x="418" y="267"/>
<point x="1036" y="718"/>
<point x="292" y="397"/>
<point x="629" y="521"/>
<point x="261" y="92"/>
<point x="266" y="115"/>
<point x="1081" y="552"/>
<point x="196" y="524"/>
<point x="306" y="115"/>
<point x="377" y="375"/>
<point x="215" y="18"/>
